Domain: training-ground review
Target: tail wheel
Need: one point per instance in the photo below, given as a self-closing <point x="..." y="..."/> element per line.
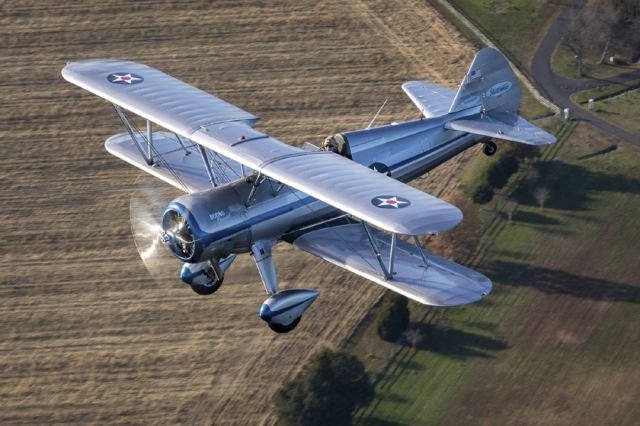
<point x="490" y="148"/>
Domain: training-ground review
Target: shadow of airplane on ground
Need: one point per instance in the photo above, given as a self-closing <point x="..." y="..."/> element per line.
<point x="561" y="282"/>
<point x="456" y="343"/>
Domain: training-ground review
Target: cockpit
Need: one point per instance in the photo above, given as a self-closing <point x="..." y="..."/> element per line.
<point x="338" y="144"/>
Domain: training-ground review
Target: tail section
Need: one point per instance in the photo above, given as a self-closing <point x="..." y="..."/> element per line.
<point x="486" y="103"/>
<point x="490" y="84"/>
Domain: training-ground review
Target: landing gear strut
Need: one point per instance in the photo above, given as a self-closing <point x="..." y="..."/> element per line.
<point x="490" y="148"/>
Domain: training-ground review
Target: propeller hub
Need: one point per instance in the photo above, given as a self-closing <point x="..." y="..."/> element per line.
<point x="178" y="235"/>
<point x="167" y="238"/>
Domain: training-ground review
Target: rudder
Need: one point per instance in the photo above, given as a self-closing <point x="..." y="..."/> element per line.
<point x="489" y="83"/>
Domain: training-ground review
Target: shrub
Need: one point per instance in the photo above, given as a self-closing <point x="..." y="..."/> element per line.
<point x="483" y="194"/>
<point x="500" y="172"/>
<point x="393" y="317"/>
<point x="326" y="392"/>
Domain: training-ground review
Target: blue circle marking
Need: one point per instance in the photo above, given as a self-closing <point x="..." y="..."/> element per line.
<point x="390" y="202"/>
<point x="125" y="78"/>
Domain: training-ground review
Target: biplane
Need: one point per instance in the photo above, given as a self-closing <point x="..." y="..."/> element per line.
<point x="346" y="201"/>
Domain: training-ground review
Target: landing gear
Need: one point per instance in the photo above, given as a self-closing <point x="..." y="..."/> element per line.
<point x="206" y="277"/>
<point x="490" y="148"/>
<point x="209" y="288"/>
<point x="283" y="310"/>
<point x="281" y="329"/>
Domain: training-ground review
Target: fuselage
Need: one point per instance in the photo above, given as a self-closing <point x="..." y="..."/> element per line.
<point x="225" y="221"/>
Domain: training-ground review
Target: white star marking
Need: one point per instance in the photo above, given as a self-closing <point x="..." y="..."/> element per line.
<point x="393" y="202"/>
<point x="127" y="78"/>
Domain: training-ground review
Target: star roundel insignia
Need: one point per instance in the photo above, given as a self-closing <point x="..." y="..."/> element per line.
<point x="125" y="78"/>
<point x="380" y="168"/>
<point x="390" y="202"/>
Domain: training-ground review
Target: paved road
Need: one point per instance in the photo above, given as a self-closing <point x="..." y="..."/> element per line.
<point x="559" y="89"/>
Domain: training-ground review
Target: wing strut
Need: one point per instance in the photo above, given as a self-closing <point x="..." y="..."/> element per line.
<point x="179" y="139"/>
<point x="388" y="271"/>
<point x="207" y="165"/>
<point x="150" y="142"/>
<point x="132" y="134"/>
<point x="392" y="252"/>
<point x="376" y="250"/>
<point x="254" y="188"/>
<point x="419" y="247"/>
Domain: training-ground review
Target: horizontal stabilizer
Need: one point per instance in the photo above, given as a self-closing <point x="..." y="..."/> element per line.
<point x="510" y="127"/>
<point x="432" y="100"/>
<point x="440" y="283"/>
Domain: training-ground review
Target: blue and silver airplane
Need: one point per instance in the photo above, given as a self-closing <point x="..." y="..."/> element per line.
<point x="345" y="202"/>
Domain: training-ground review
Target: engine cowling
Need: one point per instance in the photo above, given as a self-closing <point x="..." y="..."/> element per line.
<point x="206" y="225"/>
<point x="283" y="310"/>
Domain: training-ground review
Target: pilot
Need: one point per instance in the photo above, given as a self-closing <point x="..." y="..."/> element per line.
<point x="330" y="145"/>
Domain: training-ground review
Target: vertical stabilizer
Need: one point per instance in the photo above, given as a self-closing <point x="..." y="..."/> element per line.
<point x="489" y="83"/>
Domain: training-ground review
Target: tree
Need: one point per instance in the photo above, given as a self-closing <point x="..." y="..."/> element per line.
<point x="327" y="391"/>
<point x="542" y="195"/>
<point x="413" y="337"/>
<point x="510" y="208"/>
<point x="500" y="171"/>
<point x="531" y="176"/>
<point x="575" y="40"/>
<point x="393" y="317"/>
<point x="483" y="194"/>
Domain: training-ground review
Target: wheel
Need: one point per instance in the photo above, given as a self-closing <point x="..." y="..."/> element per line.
<point x="279" y="328"/>
<point x="206" y="289"/>
<point x="490" y="148"/>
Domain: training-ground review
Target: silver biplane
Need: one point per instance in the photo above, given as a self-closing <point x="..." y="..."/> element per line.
<point x="346" y="202"/>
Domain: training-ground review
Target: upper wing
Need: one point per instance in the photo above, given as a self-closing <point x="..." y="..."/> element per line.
<point x="433" y="100"/>
<point x="510" y="127"/>
<point x="333" y="179"/>
<point x="226" y="130"/>
<point x="153" y="94"/>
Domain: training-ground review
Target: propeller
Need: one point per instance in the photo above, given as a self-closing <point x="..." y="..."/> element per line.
<point x="147" y="204"/>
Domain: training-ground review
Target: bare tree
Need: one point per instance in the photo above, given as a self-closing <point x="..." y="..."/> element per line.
<point x="510" y="208"/>
<point x="576" y="38"/>
<point x="531" y="176"/>
<point x="413" y="337"/>
<point x="542" y="195"/>
<point x="604" y="19"/>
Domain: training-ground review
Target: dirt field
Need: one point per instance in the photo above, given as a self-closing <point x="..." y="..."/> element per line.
<point x="86" y="335"/>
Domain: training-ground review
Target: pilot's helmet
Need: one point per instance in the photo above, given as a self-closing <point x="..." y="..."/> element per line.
<point x="330" y="145"/>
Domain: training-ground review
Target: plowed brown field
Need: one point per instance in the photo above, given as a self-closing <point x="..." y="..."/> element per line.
<point x="85" y="334"/>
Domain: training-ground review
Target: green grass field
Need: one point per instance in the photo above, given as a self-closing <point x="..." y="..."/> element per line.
<point x="584" y="96"/>
<point x="621" y="110"/>
<point x="557" y="341"/>
<point x="563" y="63"/>
<point x="515" y="24"/>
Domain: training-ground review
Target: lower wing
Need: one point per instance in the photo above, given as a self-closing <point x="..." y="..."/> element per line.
<point x="439" y="282"/>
